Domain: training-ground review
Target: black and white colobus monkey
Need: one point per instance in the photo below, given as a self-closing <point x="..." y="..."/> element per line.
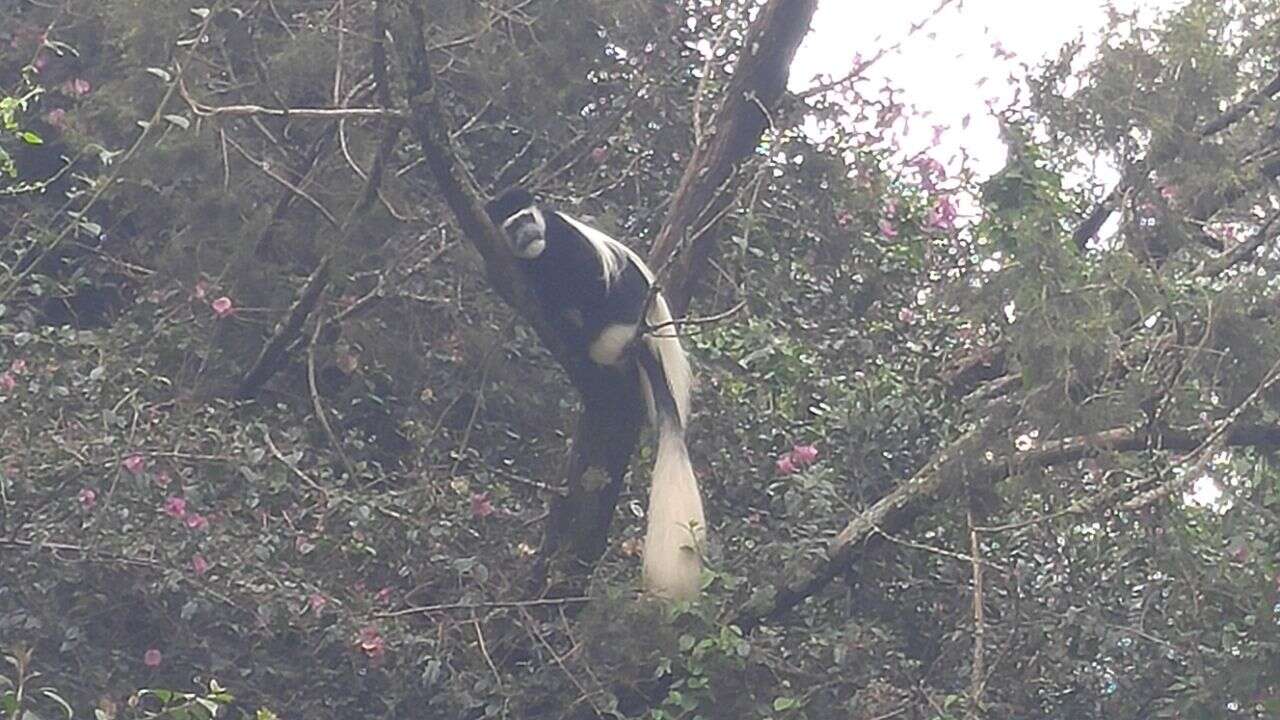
<point x="595" y="290"/>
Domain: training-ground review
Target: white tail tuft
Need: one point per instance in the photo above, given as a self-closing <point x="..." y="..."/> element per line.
<point x="677" y="526"/>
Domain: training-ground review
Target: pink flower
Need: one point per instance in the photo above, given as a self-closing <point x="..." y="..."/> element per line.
<point x="201" y="289"/>
<point x="372" y="643"/>
<point x="906" y="315"/>
<point x="199" y="565"/>
<point x="57" y="117"/>
<point x="942" y="216"/>
<point x="176" y="507"/>
<point x="222" y="306"/>
<point x="931" y="173"/>
<point x="8" y="382"/>
<point x="804" y="454"/>
<point x="135" y="463"/>
<point x="383" y="596"/>
<point x="152" y="658"/>
<point x="18" y="366"/>
<point x="843" y="218"/>
<point x="887" y="229"/>
<point x="316" y="602"/>
<point x="785" y="465"/>
<point x="481" y="505"/>
<point x="87" y="498"/>
<point x="77" y="87"/>
<point x="197" y="522"/>
<point x="599" y="155"/>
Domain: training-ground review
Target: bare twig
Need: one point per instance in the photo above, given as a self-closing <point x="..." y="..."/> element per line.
<point x="273" y="353"/>
<point x="961" y="557"/>
<point x="306" y="479"/>
<point x="472" y="606"/>
<point x="861" y="67"/>
<point x="1202" y="453"/>
<point x="321" y="415"/>
<point x="270" y="172"/>
<point x="977" y="672"/>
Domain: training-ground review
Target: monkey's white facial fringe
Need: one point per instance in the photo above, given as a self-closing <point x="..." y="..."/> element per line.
<point x="528" y="232"/>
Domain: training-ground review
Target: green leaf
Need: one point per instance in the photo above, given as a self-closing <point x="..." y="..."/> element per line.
<point x="30" y="138"/>
<point x="784" y="703"/>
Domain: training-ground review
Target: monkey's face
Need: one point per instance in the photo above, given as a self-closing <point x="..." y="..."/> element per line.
<point x="527" y="231"/>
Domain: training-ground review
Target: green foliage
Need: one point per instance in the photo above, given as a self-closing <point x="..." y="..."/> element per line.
<point x="11" y="110"/>
<point x="357" y="540"/>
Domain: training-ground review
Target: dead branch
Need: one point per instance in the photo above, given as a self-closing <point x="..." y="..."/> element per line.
<point x="860" y="68"/>
<point x="496" y="605"/>
<point x="321" y="415"/>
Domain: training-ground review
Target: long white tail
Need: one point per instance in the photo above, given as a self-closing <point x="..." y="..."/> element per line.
<point x="677" y="526"/>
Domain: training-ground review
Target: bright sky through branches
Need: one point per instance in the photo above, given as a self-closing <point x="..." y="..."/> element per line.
<point x="939" y="68"/>
<point x="938" y="71"/>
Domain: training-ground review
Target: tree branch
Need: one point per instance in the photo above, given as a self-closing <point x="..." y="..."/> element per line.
<point x="758" y="83"/>
<point x="578" y="525"/>
<point x="950" y="467"/>
<point x="1090" y="226"/>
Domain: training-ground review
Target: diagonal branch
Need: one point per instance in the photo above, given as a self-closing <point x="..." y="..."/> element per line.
<point x="949" y="468"/>
<point x="1092" y="223"/>
<point x="427" y="122"/>
<point x="578" y="525"/>
<point x="757" y="85"/>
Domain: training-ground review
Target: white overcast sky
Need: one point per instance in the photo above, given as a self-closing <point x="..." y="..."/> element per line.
<point x="939" y="74"/>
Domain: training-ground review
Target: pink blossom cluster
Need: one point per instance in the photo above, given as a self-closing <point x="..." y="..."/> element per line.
<point x="176" y="508"/>
<point x="797" y="458"/>
<point x="372" y="644"/>
<point x="481" y="505"/>
<point x="9" y="378"/>
<point x="222" y="306"/>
